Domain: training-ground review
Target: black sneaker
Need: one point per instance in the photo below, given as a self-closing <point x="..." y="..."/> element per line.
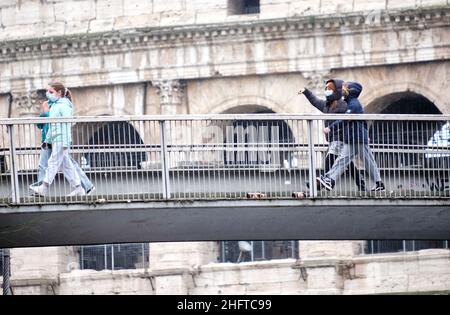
<point x="317" y="186"/>
<point x="379" y="187"/>
<point x="326" y="182"/>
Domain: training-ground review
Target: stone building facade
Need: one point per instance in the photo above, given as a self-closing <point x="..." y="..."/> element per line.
<point x="157" y="57"/>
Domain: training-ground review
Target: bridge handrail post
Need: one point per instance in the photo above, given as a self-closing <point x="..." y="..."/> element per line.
<point x="311" y="159"/>
<point x="164" y="161"/>
<point x="14" y="174"/>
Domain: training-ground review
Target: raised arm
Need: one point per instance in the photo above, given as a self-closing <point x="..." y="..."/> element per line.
<point x="314" y="100"/>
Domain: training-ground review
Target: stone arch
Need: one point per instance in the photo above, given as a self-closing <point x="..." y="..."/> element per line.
<point x="407" y="98"/>
<point x="382" y="95"/>
<point x="403" y="103"/>
<point x="397" y="132"/>
<point x="248" y="102"/>
<point x="108" y="133"/>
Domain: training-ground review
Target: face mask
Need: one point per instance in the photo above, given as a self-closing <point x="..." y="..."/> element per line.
<point x="328" y="93"/>
<point x="51" y="97"/>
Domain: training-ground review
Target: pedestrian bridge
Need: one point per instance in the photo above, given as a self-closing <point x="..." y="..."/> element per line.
<point x="225" y="177"/>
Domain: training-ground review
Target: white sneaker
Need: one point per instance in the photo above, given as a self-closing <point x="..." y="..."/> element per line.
<point x="90" y="191"/>
<point x="79" y="191"/>
<point x="40" y="190"/>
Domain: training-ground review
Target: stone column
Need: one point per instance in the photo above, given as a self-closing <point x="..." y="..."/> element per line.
<point x="172" y="95"/>
<point x="26" y="104"/>
<point x="316" y="81"/>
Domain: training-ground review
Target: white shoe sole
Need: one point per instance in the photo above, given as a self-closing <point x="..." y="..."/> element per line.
<point x="324" y="184"/>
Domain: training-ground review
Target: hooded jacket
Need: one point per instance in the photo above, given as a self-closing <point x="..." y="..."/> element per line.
<point x="354" y="131"/>
<point x="60" y="133"/>
<point x="325" y="106"/>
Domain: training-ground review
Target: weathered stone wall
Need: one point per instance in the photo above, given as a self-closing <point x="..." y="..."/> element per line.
<point x="37" y="18"/>
<point x="426" y="270"/>
<point x="46" y="262"/>
<point x="125" y="57"/>
<point x="183" y="70"/>
<point x="4" y="105"/>
<point x="423" y="271"/>
<point x="182" y="255"/>
<point x="426" y="79"/>
<point x="114" y="100"/>
<point x="87" y="282"/>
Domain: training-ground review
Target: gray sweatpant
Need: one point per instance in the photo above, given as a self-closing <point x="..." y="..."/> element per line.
<point x="60" y="160"/>
<point x="348" y="152"/>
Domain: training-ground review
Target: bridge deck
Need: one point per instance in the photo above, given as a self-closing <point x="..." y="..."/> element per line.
<point x="159" y="221"/>
<point x="185" y="178"/>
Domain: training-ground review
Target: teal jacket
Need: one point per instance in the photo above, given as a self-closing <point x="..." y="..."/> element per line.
<point x="60" y="133"/>
<point x="43" y="127"/>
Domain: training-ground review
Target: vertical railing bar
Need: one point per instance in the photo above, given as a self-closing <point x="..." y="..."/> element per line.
<point x="416" y="157"/>
<point x="311" y="158"/>
<point x="134" y="154"/>
<point x="408" y="159"/>
<point x="126" y="160"/>
<point x="14" y="174"/>
<point x="105" y="256"/>
<point x="395" y="158"/>
<point x="268" y="172"/>
<point x="112" y="257"/>
<point x="104" y="126"/>
<point x="165" y="169"/>
<point x="436" y="168"/>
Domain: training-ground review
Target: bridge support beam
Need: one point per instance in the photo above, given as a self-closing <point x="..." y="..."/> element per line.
<point x="82" y="224"/>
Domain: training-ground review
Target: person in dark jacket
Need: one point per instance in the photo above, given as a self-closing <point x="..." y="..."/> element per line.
<point x="356" y="142"/>
<point x="355" y="130"/>
<point x="333" y="105"/>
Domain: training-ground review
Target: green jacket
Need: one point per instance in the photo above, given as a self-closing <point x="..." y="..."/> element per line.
<point x="43" y="127"/>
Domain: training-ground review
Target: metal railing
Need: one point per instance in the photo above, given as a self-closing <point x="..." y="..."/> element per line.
<point x="115" y="257"/>
<point x="395" y="246"/>
<point x="1" y="262"/>
<point x="130" y="158"/>
<point x="233" y="251"/>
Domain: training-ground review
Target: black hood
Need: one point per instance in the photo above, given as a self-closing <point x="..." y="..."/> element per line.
<point x="338" y="95"/>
